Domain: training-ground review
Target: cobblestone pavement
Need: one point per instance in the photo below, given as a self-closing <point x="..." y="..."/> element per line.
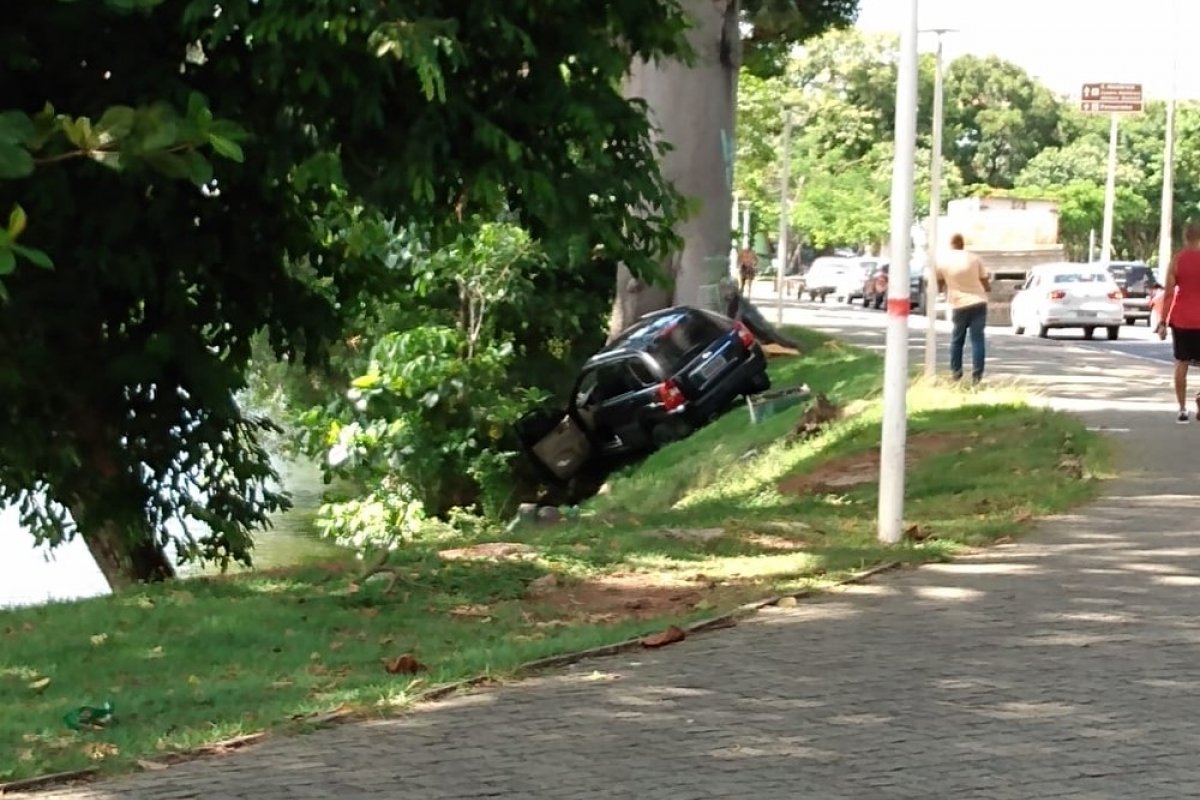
<point x="1065" y="666"/>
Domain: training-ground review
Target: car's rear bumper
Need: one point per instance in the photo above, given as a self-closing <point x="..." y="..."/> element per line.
<point x="1081" y="321"/>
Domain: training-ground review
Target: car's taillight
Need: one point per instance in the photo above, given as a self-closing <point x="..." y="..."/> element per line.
<point x="1057" y="294"/>
<point x="669" y="394"/>
<point x="744" y="334"/>
<point x="1117" y="295"/>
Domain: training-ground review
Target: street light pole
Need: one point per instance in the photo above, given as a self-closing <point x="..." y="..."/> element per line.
<point x="895" y="365"/>
<point x="935" y="210"/>
<point x="784" y="188"/>
<point x="1167" y="214"/>
<point x="1110" y="193"/>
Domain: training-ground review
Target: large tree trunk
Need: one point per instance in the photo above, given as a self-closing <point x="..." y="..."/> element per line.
<point x="693" y="107"/>
<point x="123" y="561"/>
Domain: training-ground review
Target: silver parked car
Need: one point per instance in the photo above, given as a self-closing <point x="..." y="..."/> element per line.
<point x="1066" y="295"/>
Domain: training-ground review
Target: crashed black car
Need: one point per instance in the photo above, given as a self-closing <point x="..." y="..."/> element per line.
<point x="668" y="374"/>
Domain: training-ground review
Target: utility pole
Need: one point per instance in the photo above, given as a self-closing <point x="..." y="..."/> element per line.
<point x="935" y="210"/>
<point x="895" y="365"/>
<point x="1167" y="214"/>
<point x="1110" y="193"/>
<point x="784" y="188"/>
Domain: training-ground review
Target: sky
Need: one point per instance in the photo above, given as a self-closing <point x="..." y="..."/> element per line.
<point x="1065" y="43"/>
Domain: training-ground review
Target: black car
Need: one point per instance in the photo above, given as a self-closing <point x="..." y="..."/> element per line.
<point x="668" y="374"/>
<point x="1137" y="283"/>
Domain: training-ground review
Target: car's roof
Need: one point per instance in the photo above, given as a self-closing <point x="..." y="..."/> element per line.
<point x="1069" y="266"/>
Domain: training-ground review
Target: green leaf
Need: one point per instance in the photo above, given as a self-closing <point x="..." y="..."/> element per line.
<point x="226" y="147"/>
<point x="115" y="124"/>
<point x="16" y="128"/>
<point x="79" y="132"/>
<point x="8" y="261"/>
<point x="162" y="134"/>
<point x="33" y="256"/>
<point x="16" y="222"/>
<point x="173" y="165"/>
<point x="200" y="171"/>
<point x="15" y="161"/>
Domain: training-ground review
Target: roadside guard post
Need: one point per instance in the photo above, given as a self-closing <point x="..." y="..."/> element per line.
<point x="895" y="369"/>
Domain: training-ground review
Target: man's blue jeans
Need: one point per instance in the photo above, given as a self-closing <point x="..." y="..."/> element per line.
<point x="968" y="320"/>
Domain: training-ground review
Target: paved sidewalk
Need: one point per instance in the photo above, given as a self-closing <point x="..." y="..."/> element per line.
<point x="1064" y="666"/>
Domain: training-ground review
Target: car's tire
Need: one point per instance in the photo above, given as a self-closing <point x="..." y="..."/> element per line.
<point x="760" y="382"/>
<point x="878" y="302"/>
<point x="1131" y="320"/>
<point x="1114" y="331"/>
<point x="664" y="433"/>
<point x="1089" y="333"/>
<point x="1043" y="331"/>
<point x="1018" y="329"/>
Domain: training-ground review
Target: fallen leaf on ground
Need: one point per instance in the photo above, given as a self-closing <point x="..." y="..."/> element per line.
<point x="917" y="534"/>
<point x="671" y="635"/>
<point x="98" y="639"/>
<point x="787" y="602"/>
<point x="39" y="684"/>
<point x="471" y="610"/>
<point x="25" y="754"/>
<point x="155" y="652"/>
<point x="543" y="584"/>
<point x="406" y="664"/>
<point x="151" y="766"/>
<point x="98" y="751"/>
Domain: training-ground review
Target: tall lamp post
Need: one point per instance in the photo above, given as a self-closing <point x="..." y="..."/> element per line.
<point x="935" y="209"/>
<point x="784" y="190"/>
<point x="1167" y="215"/>
<point x="895" y="365"/>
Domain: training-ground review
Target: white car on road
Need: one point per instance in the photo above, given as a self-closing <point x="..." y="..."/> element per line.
<point x="1068" y="295"/>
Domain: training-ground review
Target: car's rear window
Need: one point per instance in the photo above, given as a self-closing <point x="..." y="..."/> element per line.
<point x="670" y="338"/>
<point x="1082" y="277"/>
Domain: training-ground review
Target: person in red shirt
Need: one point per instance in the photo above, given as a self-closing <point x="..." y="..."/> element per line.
<point x="1181" y="299"/>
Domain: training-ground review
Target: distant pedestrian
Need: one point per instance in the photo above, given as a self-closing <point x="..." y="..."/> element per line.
<point x="961" y="273"/>
<point x="1181" y="313"/>
<point x="747" y="269"/>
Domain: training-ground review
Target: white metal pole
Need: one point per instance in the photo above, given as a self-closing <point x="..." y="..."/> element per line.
<point x="733" y="253"/>
<point x="895" y="369"/>
<point x="1167" y="214"/>
<point x="1091" y="245"/>
<point x="1110" y="193"/>
<point x="935" y="210"/>
<point x="783" y="213"/>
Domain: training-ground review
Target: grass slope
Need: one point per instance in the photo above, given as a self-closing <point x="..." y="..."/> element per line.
<point x="697" y="528"/>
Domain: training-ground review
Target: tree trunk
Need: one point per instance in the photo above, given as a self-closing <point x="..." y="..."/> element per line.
<point x="124" y="562"/>
<point x="693" y="108"/>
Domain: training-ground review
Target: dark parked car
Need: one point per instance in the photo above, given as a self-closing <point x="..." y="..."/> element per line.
<point x="875" y="288"/>
<point x="1137" y="283"/>
<point x="668" y="374"/>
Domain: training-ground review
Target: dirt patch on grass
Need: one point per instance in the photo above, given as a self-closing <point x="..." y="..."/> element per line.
<point x="633" y="595"/>
<point x="850" y="472"/>
<point x="491" y="551"/>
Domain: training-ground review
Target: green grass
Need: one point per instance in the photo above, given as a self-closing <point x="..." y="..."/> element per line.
<point x="211" y="658"/>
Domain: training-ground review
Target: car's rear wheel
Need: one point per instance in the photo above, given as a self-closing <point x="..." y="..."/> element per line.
<point x="1089" y="333"/>
<point x="1043" y="331"/>
<point x="1113" y="332"/>
<point x="1018" y="329"/>
<point x="759" y="383"/>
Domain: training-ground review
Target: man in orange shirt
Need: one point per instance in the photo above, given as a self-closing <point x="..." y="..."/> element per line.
<point x="960" y="272"/>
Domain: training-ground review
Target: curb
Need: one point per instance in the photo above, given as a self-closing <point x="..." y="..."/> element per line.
<point x="527" y="669"/>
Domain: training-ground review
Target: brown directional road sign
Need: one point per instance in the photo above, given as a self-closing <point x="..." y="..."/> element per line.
<point x="1111" y="98"/>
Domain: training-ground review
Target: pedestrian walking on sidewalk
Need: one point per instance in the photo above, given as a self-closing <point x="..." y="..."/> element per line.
<point x="962" y="275"/>
<point x="1181" y="313"/>
<point x="747" y="269"/>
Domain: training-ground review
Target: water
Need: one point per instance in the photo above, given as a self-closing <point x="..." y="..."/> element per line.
<point x="30" y="575"/>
